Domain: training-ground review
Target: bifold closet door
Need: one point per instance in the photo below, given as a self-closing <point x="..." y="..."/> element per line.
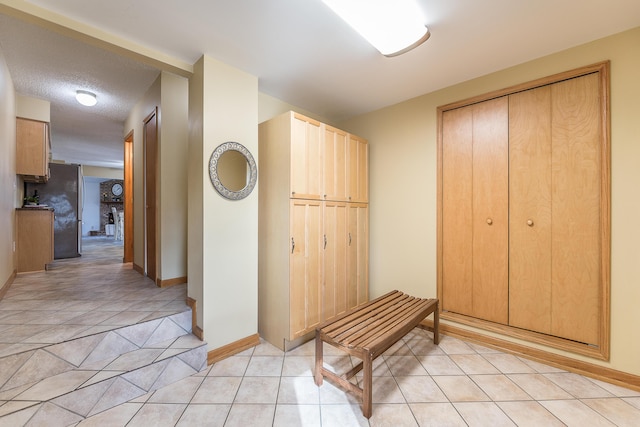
<point x="530" y="209"/>
<point x="475" y="167"/>
<point x="305" y="266"/>
<point x="555" y="177"/>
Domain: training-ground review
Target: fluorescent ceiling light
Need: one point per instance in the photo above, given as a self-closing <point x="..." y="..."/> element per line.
<point x="86" y="98"/>
<point x="391" y="26"/>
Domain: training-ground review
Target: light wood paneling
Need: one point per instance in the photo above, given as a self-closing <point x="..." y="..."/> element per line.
<point x="32" y="149"/>
<point x="336" y="183"/>
<point x="305" y="265"/>
<point x="490" y="210"/>
<point x="530" y="209"/>
<point x="559" y="197"/>
<point x="358" y="169"/>
<point x="358" y="254"/>
<point x="306" y="158"/>
<point x="576" y="136"/>
<point x="335" y="259"/>
<point x="457" y="212"/>
<point x="34" y="239"/>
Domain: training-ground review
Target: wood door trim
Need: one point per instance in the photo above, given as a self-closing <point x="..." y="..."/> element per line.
<point x="128" y="198"/>
<point x="145" y="121"/>
<point x="602" y="348"/>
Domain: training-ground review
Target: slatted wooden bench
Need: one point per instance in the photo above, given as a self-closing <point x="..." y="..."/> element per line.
<point x="368" y="331"/>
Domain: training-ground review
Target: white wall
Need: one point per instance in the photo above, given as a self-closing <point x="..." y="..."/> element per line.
<point x="91" y="205"/>
<point x="8" y="181"/>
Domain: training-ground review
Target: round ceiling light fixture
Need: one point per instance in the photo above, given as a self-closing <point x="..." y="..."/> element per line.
<point x="86" y="98"/>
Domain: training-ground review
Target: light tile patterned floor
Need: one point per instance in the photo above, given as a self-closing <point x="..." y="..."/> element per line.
<point x="415" y="384"/>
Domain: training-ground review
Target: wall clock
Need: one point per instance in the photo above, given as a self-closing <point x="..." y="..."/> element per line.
<point x="116" y="189"/>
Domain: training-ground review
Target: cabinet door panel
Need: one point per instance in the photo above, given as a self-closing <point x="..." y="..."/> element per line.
<point x="530" y="209"/>
<point x="335" y="259"/>
<point x="335" y="165"/>
<point x="305" y="266"/>
<point x="457" y="213"/>
<point x="32" y="149"/>
<point x="306" y="159"/>
<point x="576" y="135"/>
<point x="358" y="254"/>
<point x="358" y="169"/>
<point x="490" y="210"/>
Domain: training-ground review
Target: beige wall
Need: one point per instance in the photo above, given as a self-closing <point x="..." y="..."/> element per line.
<point x="101" y="172"/>
<point x="8" y="181"/>
<point x="134" y="122"/>
<point x="170" y="94"/>
<point x="174" y="142"/>
<point x="269" y="107"/>
<point x="33" y="108"/>
<point x="403" y="183"/>
<point x="223" y="234"/>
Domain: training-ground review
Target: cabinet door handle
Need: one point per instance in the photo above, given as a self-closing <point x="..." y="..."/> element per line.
<point x="349" y="238"/>
<point x="489" y="221"/>
<point x="293" y="245"/>
<point x="325" y="241"/>
<point x="530" y="222"/>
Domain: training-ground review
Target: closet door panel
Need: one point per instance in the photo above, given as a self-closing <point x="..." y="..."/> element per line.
<point x="336" y="186"/>
<point x="335" y="259"/>
<point x="530" y="209"/>
<point x="576" y="178"/>
<point x="358" y="254"/>
<point x="490" y="210"/>
<point x="457" y="212"/>
<point x="306" y="158"/>
<point x="305" y="266"/>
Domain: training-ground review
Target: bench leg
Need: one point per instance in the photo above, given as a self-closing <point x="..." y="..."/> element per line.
<point x="319" y="361"/>
<point x="367" y="380"/>
<point x="436" y="325"/>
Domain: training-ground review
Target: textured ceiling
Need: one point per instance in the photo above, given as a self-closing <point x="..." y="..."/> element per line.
<point x="300" y="52"/>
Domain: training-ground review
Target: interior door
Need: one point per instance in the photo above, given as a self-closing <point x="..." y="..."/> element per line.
<point x="150" y="192"/>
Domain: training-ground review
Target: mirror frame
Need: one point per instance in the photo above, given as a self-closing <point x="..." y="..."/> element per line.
<point x="215" y="179"/>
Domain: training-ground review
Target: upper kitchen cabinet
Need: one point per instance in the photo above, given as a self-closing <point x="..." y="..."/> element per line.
<point x="32" y="150"/>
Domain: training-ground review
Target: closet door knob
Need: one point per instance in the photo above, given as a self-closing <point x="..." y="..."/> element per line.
<point x="530" y="222"/>
<point x="489" y="221"/>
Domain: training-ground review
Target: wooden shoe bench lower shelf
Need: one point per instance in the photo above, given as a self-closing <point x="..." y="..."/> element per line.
<point x="368" y="331"/>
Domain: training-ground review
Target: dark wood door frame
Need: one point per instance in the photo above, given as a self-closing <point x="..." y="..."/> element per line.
<point x="150" y="192"/>
<point x="128" y="198"/>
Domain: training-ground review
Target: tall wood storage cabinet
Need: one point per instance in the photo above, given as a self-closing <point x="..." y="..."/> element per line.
<point x="313" y="226"/>
<point x="524" y="208"/>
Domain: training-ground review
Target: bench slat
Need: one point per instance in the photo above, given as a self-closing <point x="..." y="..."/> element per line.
<point x="378" y="322"/>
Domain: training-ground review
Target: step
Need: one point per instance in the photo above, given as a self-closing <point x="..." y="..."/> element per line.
<point x="64" y="383"/>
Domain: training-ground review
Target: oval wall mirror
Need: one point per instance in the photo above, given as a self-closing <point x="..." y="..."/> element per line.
<point x="232" y="170"/>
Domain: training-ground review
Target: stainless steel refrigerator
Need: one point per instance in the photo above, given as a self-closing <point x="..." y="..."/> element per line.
<point x="63" y="192"/>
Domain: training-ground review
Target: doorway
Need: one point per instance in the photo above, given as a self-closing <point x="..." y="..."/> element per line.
<point x="150" y="192"/>
<point x="128" y="198"/>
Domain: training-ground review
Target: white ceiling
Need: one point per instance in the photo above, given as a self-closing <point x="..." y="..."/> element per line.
<point x="299" y="50"/>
